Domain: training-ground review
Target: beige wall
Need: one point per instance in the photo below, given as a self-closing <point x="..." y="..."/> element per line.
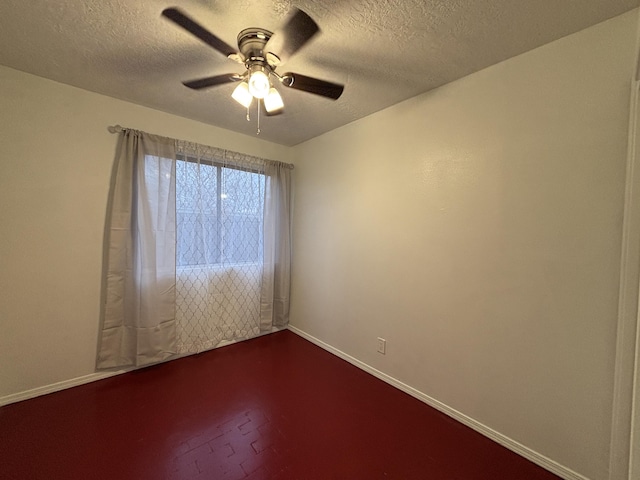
<point x="477" y="228"/>
<point x="56" y="163"/>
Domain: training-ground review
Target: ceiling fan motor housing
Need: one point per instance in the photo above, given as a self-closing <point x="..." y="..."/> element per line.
<point x="251" y="42"/>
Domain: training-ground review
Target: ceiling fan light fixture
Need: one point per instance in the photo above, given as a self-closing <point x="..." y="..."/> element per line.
<point x="242" y="95"/>
<point x="259" y="83"/>
<point x="261" y="52"/>
<point x="273" y="101"/>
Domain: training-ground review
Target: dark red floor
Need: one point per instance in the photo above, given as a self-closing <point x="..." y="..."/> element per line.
<point x="276" y="407"/>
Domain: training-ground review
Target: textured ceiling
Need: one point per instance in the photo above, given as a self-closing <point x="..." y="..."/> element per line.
<point x="383" y="51"/>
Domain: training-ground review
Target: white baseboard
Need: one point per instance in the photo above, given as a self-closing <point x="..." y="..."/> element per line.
<point x="55" y="387"/>
<point x="522" y="450"/>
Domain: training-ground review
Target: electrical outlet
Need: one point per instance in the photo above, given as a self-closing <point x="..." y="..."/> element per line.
<point x="382" y="345"/>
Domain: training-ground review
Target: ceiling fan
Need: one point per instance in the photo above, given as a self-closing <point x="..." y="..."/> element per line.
<point x="261" y="52"/>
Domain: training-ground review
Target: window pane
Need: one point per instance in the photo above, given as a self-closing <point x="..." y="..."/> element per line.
<point x="219" y="214"/>
<point x="242" y="210"/>
<point x="196" y="214"/>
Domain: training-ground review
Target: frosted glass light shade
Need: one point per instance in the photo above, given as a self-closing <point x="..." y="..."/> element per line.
<point x="242" y="95"/>
<point x="259" y="84"/>
<point x="273" y="101"/>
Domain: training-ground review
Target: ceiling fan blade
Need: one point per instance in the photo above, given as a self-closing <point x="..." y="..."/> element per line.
<point x="312" y="85"/>
<point x="212" y="81"/>
<point x="298" y="29"/>
<point x="179" y="18"/>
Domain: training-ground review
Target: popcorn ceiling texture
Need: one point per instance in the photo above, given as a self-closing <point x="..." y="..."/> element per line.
<point x="383" y="51"/>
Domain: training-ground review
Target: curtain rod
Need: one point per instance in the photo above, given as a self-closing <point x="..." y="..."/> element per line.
<point x="118" y="128"/>
<point x="115" y="128"/>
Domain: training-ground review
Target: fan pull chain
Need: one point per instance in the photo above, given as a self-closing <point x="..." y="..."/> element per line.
<point x="258" y="131"/>
<point x="248" y="115"/>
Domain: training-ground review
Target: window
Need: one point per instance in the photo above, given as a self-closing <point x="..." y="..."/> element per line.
<point x="219" y="214"/>
<point x="185" y="286"/>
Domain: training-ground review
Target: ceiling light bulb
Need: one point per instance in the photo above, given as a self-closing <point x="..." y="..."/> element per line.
<point x="259" y="84"/>
<point x="242" y="95"/>
<point x="273" y="101"/>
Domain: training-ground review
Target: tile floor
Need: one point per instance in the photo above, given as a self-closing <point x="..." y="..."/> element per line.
<point x="275" y="407"/>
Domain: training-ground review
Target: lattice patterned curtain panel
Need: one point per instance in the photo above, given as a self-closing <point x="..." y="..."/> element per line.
<point x="203" y="244"/>
<point x="219" y="248"/>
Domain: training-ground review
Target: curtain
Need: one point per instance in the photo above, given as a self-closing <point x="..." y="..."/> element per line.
<point x="197" y="249"/>
<point x="276" y="277"/>
<point x="138" y="316"/>
<point x="220" y="246"/>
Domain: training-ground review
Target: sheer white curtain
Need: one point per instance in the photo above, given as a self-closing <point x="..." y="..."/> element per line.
<point x="220" y="246"/>
<point x="197" y="249"/>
